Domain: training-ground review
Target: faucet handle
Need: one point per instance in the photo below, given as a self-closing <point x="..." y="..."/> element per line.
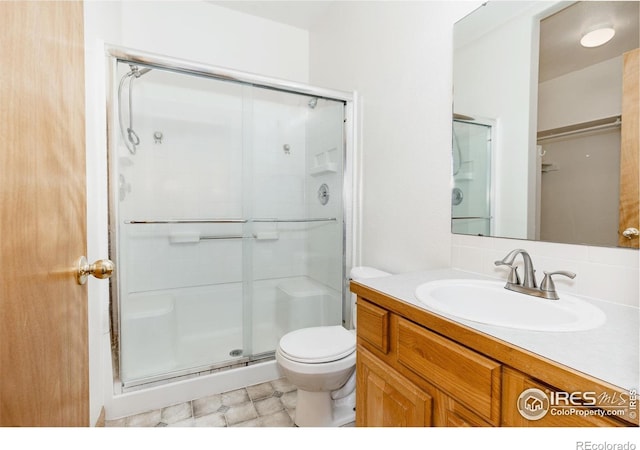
<point x="549" y="286"/>
<point x="513" y="277"/>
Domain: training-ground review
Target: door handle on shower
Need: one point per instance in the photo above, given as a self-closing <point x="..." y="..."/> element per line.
<point x="103" y="268"/>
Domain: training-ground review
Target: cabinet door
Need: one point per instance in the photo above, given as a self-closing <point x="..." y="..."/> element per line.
<point x="387" y="399"/>
<point x="449" y="413"/>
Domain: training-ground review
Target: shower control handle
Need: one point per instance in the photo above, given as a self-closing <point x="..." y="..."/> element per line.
<point x="103" y="268"/>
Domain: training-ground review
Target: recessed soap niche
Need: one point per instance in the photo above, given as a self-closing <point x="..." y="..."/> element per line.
<point x="325" y="162"/>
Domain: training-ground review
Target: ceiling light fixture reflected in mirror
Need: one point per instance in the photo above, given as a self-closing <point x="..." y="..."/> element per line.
<point x="597" y="37"/>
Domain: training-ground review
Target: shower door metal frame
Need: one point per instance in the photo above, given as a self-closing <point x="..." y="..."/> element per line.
<point x="351" y="170"/>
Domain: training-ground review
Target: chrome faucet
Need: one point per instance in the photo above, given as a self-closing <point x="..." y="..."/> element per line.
<point x="528" y="285"/>
<point x="529" y="280"/>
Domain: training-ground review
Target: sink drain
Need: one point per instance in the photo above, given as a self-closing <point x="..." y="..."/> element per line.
<point x="236" y="352"/>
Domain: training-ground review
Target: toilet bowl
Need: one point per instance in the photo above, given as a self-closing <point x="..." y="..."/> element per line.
<point x="320" y="362"/>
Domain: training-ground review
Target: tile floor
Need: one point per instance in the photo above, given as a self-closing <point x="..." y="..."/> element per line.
<point x="270" y="404"/>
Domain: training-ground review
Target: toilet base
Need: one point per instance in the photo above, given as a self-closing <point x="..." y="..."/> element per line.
<point x="318" y="409"/>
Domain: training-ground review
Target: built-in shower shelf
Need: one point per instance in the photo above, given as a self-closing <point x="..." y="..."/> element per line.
<point x="324" y="168"/>
<point x="549" y="167"/>
<point x="325" y="162"/>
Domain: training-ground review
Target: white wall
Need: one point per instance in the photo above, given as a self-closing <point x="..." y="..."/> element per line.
<point x="588" y="94"/>
<point x="580" y="196"/>
<point x="397" y="55"/>
<point x="202" y="32"/>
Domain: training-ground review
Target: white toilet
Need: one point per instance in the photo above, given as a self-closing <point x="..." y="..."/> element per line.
<point x="321" y="363"/>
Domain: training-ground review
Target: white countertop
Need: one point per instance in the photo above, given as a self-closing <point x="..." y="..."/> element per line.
<point x="609" y="352"/>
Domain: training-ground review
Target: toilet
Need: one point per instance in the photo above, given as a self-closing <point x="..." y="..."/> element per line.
<point x="321" y="363"/>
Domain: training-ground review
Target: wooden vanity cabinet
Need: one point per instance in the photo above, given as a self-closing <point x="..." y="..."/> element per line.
<point x="463" y="388"/>
<point x="410" y="372"/>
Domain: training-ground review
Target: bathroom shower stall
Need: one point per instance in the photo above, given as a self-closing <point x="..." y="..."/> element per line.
<point x="229" y="214"/>
<point x="471" y="206"/>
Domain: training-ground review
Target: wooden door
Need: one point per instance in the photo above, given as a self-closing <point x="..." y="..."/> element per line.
<point x="43" y="338"/>
<point x="629" y="160"/>
<point x="387" y="399"/>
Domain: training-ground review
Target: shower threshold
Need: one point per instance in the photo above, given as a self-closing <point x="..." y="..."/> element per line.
<point x="193" y="372"/>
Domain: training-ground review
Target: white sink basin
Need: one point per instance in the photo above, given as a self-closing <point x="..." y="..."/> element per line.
<point x="490" y="303"/>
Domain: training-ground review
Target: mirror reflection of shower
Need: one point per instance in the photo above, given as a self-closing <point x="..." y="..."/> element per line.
<point x="471" y="166"/>
<point x="129" y="136"/>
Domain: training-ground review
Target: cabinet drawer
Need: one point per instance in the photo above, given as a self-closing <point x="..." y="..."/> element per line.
<point x="373" y="325"/>
<point x="471" y="379"/>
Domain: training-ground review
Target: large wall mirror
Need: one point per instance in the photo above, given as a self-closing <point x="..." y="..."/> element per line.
<point x="545" y="128"/>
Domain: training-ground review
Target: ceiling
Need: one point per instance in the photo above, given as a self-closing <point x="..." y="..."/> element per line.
<point x="560" y="49"/>
<point x="300" y="14"/>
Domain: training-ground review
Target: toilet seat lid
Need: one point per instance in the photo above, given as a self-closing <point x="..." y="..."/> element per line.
<point x="318" y="344"/>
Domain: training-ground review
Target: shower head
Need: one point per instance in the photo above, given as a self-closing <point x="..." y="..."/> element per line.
<point x="313" y="102"/>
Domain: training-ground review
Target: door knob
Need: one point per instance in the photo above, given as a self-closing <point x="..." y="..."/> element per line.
<point x="103" y="268"/>
<point x="629" y="233"/>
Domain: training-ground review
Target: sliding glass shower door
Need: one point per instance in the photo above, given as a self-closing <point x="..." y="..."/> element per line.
<point x="227" y="220"/>
<point x="471" y="192"/>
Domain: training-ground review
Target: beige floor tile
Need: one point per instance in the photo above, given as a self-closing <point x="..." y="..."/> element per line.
<point x="268" y="406"/>
<point x="289" y="399"/>
<point x="240" y="413"/>
<point x="190" y="422"/>
<point x="176" y="413"/>
<point x="249" y="423"/>
<point x="235" y="397"/>
<point x="148" y="419"/>
<point x="278" y="419"/>
<point x="260" y="391"/>
<point x="206" y="405"/>
<point x="116" y="422"/>
<point x="283" y="385"/>
<point x="211" y="420"/>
